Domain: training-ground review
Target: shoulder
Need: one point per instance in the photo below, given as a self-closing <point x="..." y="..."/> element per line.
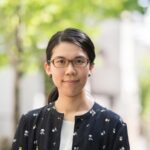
<point x="39" y="111"/>
<point x="108" y="116"/>
<point x="33" y="113"/>
<point x="111" y="124"/>
<point x="33" y="116"/>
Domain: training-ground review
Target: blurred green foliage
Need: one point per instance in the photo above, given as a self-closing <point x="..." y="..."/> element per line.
<point x="3" y="59"/>
<point x="144" y="76"/>
<point x="37" y="20"/>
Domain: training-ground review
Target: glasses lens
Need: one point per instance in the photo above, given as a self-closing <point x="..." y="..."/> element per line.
<point x="80" y="62"/>
<point x="60" y="62"/>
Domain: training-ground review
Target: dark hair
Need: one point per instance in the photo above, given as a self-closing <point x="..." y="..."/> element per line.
<point x="71" y="35"/>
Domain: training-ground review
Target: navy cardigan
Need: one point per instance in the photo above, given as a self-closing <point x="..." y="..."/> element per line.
<point x="98" y="129"/>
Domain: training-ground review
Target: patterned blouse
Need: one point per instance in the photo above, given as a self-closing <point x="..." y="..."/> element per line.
<point x="98" y="129"/>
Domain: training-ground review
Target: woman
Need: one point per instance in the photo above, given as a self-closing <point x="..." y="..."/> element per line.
<point x="71" y="121"/>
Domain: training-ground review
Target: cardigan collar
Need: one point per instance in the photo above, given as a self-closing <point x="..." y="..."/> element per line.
<point x="91" y="112"/>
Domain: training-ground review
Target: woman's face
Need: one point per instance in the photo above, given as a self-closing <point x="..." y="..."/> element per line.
<point x="69" y="80"/>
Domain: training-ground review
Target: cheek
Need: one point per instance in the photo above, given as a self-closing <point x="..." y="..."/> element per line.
<point x="56" y="72"/>
<point x="57" y="76"/>
<point x="84" y="75"/>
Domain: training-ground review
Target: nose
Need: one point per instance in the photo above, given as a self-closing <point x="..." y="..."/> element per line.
<point x="70" y="69"/>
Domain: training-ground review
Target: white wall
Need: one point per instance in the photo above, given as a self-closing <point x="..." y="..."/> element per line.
<point x="6" y="101"/>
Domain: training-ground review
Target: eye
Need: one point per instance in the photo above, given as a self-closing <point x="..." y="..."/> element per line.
<point x="60" y="61"/>
<point x="79" y="61"/>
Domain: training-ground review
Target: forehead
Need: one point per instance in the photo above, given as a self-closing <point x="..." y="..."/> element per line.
<point x="68" y="50"/>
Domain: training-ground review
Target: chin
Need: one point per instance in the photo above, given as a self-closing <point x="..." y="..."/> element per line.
<point x="73" y="93"/>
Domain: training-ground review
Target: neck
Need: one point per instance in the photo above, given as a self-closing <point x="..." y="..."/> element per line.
<point x="73" y="106"/>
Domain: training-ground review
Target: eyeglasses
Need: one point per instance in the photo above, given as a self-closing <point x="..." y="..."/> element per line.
<point x="62" y="62"/>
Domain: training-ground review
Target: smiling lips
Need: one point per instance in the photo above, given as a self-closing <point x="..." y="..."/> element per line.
<point x="71" y="81"/>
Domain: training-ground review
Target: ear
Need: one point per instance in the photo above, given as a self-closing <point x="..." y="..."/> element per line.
<point x="91" y="66"/>
<point x="47" y="68"/>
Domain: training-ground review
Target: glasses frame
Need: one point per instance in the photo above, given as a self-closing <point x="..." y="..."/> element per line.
<point x="70" y="61"/>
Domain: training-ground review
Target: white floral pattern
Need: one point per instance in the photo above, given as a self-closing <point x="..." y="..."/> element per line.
<point x="26" y="133"/>
<point x="42" y="128"/>
<point x="42" y="131"/>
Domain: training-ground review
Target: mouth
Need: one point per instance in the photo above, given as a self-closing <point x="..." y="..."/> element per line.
<point x="70" y="81"/>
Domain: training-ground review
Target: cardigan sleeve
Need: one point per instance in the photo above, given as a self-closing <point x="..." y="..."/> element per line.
<point x="21" y="135"/>
<point x="121" y="141"/>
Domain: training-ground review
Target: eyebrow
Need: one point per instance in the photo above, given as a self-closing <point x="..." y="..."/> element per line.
<point x="58" y="57"/>
<point x="73" y="58"/>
